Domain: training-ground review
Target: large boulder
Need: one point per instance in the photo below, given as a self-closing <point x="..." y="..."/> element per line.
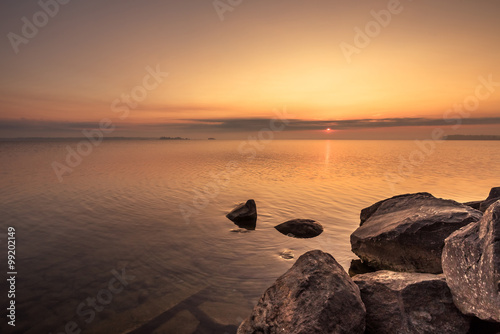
<point x="244" y="215"/>
<point x="315" y="296"/>
<point x="407" y="303"/>
<point x="492" y="198"/>
<point x="471" y="264"/>
<point x="406" y="233"/>
<point x="369" y="211"/>
<point x="300" y="228"/>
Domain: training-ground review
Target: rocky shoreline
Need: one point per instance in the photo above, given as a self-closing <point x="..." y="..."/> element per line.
<point x="428" y="265"/>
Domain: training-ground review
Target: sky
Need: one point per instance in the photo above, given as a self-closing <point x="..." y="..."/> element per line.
<point x="227" y="68"/>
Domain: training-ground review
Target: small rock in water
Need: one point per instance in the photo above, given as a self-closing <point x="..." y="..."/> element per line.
<point x="244" y="215"/>
<point x="300" y="228"/>
<point x="239" y="230"/>
<point x="287" y="254"/>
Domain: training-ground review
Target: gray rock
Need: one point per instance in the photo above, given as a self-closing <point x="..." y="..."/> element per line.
<point x="471" y="264"/>
<point x="244" y="215"/>
<point x="315" y="296"/>
<point x="407" y="303"/>
<point x="492" y="198"/>
<point x="406" y="233"/>
<point x="300" y="228"/>
<point x="369" y="211"/>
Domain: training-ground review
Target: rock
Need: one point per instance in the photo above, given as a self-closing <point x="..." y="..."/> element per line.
<point x="471" y="264"/>
<point x="300" y="228"/>
<point x="492" y="198"/>
<point x="369" y="211"/>
<point x="315" y="296"/>
<point x="483" y="205"/>
<point x="244" y="215"/>
<point x="358" y="267"/>
<point x="143" y="296"/>
<point x="239" y="230"/>
<point x="406" y="233"/>
<point x="474" y="204"/>
<point x="407" y="303"/>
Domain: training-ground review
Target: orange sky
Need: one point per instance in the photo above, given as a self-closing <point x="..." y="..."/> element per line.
<point x="262" y="56"/>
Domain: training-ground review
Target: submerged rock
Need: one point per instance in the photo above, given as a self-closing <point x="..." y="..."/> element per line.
<point x="300" y="228"/>
<point x="286" y="254"/>
<point x="471" y="264"/>
<point x="244" y="215"/>
<point x="315" y="296"/>
<point x="407" y="232"/>
<point x="406" y="303"/>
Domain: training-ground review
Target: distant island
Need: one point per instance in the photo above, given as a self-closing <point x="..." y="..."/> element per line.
<point x="471" y="137"/>
<point x="211" y="138"/>
<point x="173" y="138"/>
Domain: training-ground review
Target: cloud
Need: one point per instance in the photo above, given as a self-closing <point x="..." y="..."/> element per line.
<point x="255" y="124"/>
<point x="239" y="124"/>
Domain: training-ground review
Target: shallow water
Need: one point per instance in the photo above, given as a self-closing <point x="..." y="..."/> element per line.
<point x="156" y="210"/>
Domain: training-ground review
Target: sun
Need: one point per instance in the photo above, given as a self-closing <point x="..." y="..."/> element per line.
<point x="328" y="129"/>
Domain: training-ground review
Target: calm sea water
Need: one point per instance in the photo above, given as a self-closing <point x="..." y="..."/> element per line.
<point x="153" y="213"/>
